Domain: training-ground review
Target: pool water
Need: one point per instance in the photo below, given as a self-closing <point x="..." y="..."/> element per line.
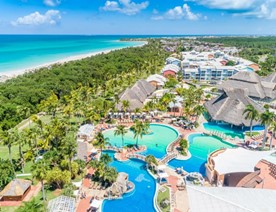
<point x="157" y="141"/>
<point x="225" y="128"/>
<point x="141" y="199"/>
<point x="200" y="147"/>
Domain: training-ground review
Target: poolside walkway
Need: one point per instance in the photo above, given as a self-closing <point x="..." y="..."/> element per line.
<point x="179" y="198"/>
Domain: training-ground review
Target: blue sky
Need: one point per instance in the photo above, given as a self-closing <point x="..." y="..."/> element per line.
<point x="138" y="17"/>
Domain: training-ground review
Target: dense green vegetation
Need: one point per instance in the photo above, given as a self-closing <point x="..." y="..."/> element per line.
<point x="107" y="74"/>
<point x="69" y="95"/>
<point x="261" y="50"/>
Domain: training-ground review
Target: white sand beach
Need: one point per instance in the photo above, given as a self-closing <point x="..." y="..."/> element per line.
<point x="11" y="74"/>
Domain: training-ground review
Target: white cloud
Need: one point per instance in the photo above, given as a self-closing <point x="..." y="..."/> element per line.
<point x="179" y="12"/>
<point x="265" y="9"/>
<point x="127" y="7"/>
<point x="227" y="4"/>
<point x="50" y="17"/>
<point x="52" y="3"/>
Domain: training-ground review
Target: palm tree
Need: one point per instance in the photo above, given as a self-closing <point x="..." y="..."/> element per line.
<point x="69" y="149"/>
<point x="151" y="160"/>
<point x="198" y="110"/>
<point x="110" y="175"/>
<point x="106" y="159"/>
<point x="20" y="139"/>
<point x="266" y="119"/>
<point x="139" y="129"/>
<point x="273" y="130"/>
<point x="120" y="131"/>
<point x="39" y="172"/>
<point x="7" y="139"/>
<point x="125" y="105"/>
<point x="252" y="114"/>
<point x="32" y="206"/>
<point x="101" y="141"/>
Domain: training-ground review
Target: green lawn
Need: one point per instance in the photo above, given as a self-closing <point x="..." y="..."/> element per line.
<point x="49" y="195"/>
<point x="4" y="154"/>
<point x="8" y="209"/>
<point x="162" y="195"/>
<point x="253" y="133"/>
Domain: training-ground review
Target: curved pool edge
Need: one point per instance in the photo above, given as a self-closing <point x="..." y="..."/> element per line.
<point x="216" y="137"/>
<point x="155" y="193"/>
<point x="202" y="125"/>
<point x="157" y="124"/>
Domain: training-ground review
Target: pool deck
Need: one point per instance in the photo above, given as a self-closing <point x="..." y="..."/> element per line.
<point x="180" y="198"/>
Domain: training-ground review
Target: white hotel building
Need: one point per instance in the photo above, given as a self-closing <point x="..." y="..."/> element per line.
<point x="208" y="73"/>
<point x="210" y="66"/>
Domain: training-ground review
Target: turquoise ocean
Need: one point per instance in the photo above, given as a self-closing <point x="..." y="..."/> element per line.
<point x="19" y="52"/>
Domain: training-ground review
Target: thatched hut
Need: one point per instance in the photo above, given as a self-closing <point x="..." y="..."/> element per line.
<point x="136" y="95"/>
<point x="230" y="105"/>
<point x="16" y="190"/>
<point x="257" y="87"/>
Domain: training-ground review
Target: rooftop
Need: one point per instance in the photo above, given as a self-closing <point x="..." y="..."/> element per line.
<point x="16" y="187"/>
<point x="62" y="204"/>
<point x="225" y="199"/>
<point x="238" y="160"/>
<point x="230" y="105"/>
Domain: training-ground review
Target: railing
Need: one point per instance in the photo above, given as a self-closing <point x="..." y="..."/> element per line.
<point x="116" y="149"/>
<point x="137" y="156"/>
<point x="221" y="135"/>
<point x="168" y="157"/>
<point x="170" y="148"/>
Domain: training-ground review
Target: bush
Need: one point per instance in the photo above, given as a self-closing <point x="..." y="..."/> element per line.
<point x="58" y="178"/>
<point x="6" y="173"/>
<point x="183" y="146"/>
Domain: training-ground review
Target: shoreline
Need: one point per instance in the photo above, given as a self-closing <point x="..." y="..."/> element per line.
<point x="12" y="74"/>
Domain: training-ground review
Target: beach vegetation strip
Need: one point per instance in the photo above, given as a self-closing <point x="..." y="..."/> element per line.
<point x="106" y="74"/>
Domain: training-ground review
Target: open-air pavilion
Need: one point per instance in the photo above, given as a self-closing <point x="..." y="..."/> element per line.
<point x="61" y="204"/>
<point x="86" y="132"/>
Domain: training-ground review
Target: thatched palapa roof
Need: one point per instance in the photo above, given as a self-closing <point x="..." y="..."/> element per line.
<point x="230" y="105"/>
<point x="136" y="95"/>
<point x="16" y="187"/>
<point x="255" y="85"/>
<point x="271" y="78"/>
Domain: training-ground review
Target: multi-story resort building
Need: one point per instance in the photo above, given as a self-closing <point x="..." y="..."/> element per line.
<point x="207" y="66"/>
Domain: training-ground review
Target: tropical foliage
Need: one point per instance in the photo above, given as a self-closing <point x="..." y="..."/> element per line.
<point x="6" y="173"/>
<point x="183" y="146"/>
<point x="252" y="114"/>
<point x="105" y="75"/>
<point x="140" y="128"/>
<point x="103" y="172"/>
<point x="120" y="131"/>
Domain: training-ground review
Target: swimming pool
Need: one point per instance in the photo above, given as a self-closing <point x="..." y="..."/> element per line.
<point x="224" y="128"/>
<point x="142" y="198"/>
<point x="156" y="142"/>
<point x="200" y="147"/>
